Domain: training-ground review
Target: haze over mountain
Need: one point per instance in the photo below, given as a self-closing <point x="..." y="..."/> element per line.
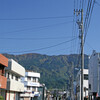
<point x="55" y="70"/>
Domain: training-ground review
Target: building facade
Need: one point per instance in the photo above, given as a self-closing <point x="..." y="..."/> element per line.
<point x="3" y="79"/>
<point x="31" y="84"/>
<point x="14" y="72"/>
<point x="85" y="84"/>
<point x="94" y="75"/>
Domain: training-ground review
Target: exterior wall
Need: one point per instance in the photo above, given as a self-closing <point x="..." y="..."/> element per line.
<point x="32" y="74"/>
<point x="3" y="60"/>
<point x="10" y="95"/>
<point x="15" y="85"/>
<point x="94" y="73"/>
<point x="3" y="79"/>
<point x="15" y="67"/>
<point x="31" y="85"/>
<point x="3" y="82"/>
<point x="78" y="84"/>
<point x="3" y="64"/>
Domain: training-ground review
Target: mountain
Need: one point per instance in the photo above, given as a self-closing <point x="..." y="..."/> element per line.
<point x="55" y="70"/>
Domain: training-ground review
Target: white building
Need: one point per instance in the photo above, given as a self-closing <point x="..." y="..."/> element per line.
<point x="94" y="74"/>
<point x="31" y="84"/>
<point x="85" y="84"/>
<point x="14" y="86"/>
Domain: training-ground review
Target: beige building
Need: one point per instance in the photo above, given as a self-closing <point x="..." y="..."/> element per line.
<point x="14" y="86"/>
<point x="31" y="84"/>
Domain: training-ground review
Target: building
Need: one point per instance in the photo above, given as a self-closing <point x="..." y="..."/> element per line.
<point x="14" y="86"/>
<point x="3" y="79"/>
<point x="31" y="85"/>
<point x="94" y="75"/>
<point x="85" y="84"/>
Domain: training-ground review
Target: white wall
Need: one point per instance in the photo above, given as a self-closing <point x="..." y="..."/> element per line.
<point x="15" y="67"/>
<point x="32" y="74"/>
<point x="13" y="85"/>
<point x="85" y="84"/>
<point x="93" y="72"/>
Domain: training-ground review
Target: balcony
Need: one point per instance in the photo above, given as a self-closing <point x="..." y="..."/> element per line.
<point x="14" y="85"/>
<point x="3" y="82"/>
<point x="32" y="74"/>
<point x="30" y="94"/>
<point x="35" y="84"/>
<point x="37" y="94"/>
<point x="27" y="95"/>
<point x="15" y="67"/>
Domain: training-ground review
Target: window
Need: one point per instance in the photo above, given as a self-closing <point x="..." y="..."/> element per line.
<point x="85" y="77"/>
<point x="16" y="78"/>
<point x="12" y="76"/>
<point x="29" y="78"/>
<point x="33" y="89"/>
<point x="34" y="79"/>
<point x="28" y="87"/>
<point x="90" y="86"/>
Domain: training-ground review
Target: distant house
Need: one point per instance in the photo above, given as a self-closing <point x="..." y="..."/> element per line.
<point x="31" y="84"/>
<point x="85" y="84"/>
<point x="94" y="75"/>
<point x="3" y="79"/>
<point x="14" y="86"/>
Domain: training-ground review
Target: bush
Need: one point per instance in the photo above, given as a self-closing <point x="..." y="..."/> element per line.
<point x="1" y="98"/>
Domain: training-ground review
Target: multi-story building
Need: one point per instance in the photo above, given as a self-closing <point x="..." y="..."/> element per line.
<point x="94" y="75"/>
<point x="85" y="84"/>
<point x="14" y="86"/>
<point x="31" y="84"/>
<point x="3" y="79"/>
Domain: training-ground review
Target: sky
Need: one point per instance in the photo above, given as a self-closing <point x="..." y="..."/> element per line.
<point x="44" y="27"/>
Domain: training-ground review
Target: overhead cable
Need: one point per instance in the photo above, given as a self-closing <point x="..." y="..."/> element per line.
<point x="45" y="47"/>
<point x="41" y="27"/>
<point x="58" y="17"/>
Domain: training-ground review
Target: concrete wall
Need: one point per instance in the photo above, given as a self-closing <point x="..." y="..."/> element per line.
<point x="32" y="74"/>
<point x="93" y="72"/>
<point x="85" y="84"/>
<point x="15" y="67"/>
<point x="15" y="85"/>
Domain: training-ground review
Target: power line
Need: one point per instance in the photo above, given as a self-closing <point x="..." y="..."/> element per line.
<point x="12" y="38"/>
<point x="43" y="18"/>
<point x="45" y="47"/>
<point x="89" y="19"/>
<point x="38" y="27"/>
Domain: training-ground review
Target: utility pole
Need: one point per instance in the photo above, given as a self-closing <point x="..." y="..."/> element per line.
<point x="82" y="56"/>
<point x="81" y="36"/>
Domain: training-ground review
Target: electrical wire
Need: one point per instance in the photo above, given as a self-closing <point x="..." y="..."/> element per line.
<point x="45" y="47"/>
<point x="43" y="18"/>
<point x="86" y="30"/>
<point x="12" y="38"/>
<point x="42" y="27"/>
